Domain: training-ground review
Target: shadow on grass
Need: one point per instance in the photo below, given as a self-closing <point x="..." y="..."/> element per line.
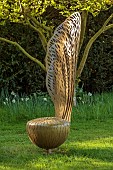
<point x="78" y="152"/>
<point x="27" y="156"/>
<point x="105" y="154"/>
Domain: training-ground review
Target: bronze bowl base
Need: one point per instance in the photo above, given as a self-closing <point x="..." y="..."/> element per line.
<point x="48" y="132"/>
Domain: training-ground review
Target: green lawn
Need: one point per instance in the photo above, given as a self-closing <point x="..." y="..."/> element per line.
<point x="89" y="146"/>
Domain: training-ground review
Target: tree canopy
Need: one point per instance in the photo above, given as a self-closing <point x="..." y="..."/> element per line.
<point x="41" y="14"/>
<point x="16" y="10"/>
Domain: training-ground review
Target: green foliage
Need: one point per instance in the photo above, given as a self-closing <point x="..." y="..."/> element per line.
<point x="28" y="77"/>
<point x="22" y="108"/>
<point x="13" y="11"/>
<point x="15" y="108"/>
<point x="98" y="70"/>
<point x="18" y="73"/>
<point x="89" y="147"/>
<point x="93" y="107"/>
<point x="92" y="6"/>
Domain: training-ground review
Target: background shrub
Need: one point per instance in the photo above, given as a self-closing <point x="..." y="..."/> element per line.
<point x="97" y="75"/>
<point x="20" y="74"/>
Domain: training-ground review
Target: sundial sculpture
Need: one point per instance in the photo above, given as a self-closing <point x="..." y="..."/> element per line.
<point x="61" y="63"/>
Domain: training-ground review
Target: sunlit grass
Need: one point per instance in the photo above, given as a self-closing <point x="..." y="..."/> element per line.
<point x="89" y="146"/>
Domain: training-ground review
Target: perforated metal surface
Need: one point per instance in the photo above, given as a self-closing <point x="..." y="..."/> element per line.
<point x="61" y="62"/>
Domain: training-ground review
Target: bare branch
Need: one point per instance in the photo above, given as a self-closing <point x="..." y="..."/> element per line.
<point x="108" y="27"/>
<point x="39" y="24"/>
<point x="83" y="27"/>
<point x="91" y="41"/>
<point x="41" y="35"/>
<point x="21" y="7"/>
<point x="107" y="21"/>
<point x="27" y="54"/>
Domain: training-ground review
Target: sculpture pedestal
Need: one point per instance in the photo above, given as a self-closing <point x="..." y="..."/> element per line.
<point x="48" y="132"/>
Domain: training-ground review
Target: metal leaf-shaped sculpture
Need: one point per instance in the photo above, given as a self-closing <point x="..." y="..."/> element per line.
<point x="61" y="62"/>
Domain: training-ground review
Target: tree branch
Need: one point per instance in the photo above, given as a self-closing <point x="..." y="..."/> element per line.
<point x="83" y="27"/>
<point x="41" y="35"/>
<point x="21" y="7"/>
<point x="27" y="54"/>
<point x="108" y="27"/>
<point x="39" y="24"/>
<point x="91" y="41"/>
<point x="106" y="22"/>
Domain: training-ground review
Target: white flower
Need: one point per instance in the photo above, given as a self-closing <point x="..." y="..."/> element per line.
<point x="89" y="94"/>
<point x="34" y="94"/>
<point x="6" y="99"/>
<point x="4" y="103"/>
<point x="74" y="101"/>
<point x="13" y="93"/>
<point x="13" y="101"/>
<point x="83" y="102"/>
<point x="22" y="99"/>
<point x="80" y="98"/>
<point x="26" y="99"/>
<point x="45" y="99"/>
<point x="81" y="90"/>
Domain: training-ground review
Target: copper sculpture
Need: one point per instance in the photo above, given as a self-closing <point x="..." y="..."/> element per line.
<point x="61" y="63"/>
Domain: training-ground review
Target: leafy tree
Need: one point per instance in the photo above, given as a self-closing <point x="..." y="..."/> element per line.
<point x="31" y="12"/>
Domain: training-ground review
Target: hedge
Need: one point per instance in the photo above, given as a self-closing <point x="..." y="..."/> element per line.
<point x="20" y="74"/>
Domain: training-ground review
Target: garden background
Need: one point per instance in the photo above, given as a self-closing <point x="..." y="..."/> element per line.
<point x="21" y="75"/>
<point x="24" y="97"/>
